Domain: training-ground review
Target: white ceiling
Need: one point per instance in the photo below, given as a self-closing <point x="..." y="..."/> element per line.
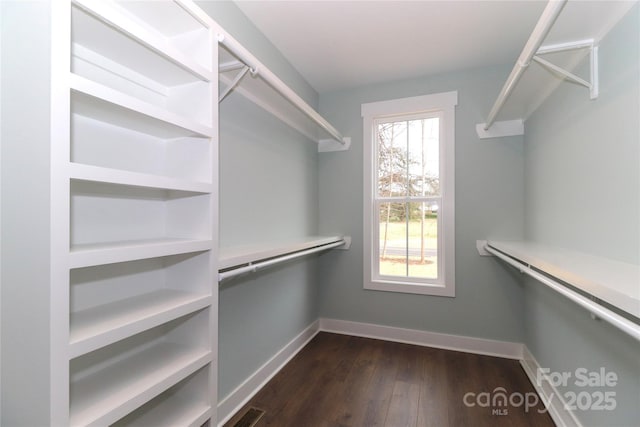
<point x="341" y="44"/>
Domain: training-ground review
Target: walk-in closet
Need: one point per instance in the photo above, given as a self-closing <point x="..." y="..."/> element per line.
<point x="319" y="213"/>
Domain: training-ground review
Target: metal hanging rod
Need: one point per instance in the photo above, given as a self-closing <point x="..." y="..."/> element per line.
<point x="542" y="28"/>
<point x="594" y="308"/>
<point x="278" y="85"/>
<point x="251" y="267"/>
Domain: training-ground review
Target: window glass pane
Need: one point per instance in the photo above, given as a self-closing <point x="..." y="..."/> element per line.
<point x="423" y="240"/>
<point x="408" y="245"/>
<point x="408" y="158"/>
<point x="393" y="239"/>
<point x="423" y="162"/>
<point x="391" y="147"/>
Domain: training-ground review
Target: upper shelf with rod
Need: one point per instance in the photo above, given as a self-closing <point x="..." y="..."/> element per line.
<point x="570" y="30"/>
<point x="239" y="260"/>
<point x="242" y="72"/>
<point x="607" y="288"/>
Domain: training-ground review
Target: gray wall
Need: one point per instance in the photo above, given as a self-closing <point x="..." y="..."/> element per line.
<point x="268" y="191"/>
<point x="582" y="191"/>
<point x="489" y="203"/>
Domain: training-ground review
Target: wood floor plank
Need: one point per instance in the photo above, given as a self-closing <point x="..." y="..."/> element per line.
<point x="344" y="381"/>
<point x="382" y="383"/>
<point x="432" y="408"/>
<point x="405" y="398"/>
<point x="354" y="395"/>
<point x="403" y="407"/>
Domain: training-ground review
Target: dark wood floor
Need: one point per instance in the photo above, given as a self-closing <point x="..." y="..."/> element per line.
<point x="339" y="380"/>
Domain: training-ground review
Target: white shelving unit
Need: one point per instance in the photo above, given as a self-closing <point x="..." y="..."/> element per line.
<point x="134" y="184"/>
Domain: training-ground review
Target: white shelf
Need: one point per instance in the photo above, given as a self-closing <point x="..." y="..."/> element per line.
<point x="109" y="394"/>
<point x="121" y="177"/>
<point x="185" y="404"/>
<point x="105" y="104"/>
<point x="98" y="143"/>
<point x="176" y="412"/>
<point x="135" y="44"/>
<point x="88" y="255"/>
<point x="614" y="282"/>
<point x="239" y="255"/>
<point x="99" y="326"/>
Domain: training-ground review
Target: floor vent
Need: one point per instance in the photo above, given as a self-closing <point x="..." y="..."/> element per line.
<point x="250" y="418"/>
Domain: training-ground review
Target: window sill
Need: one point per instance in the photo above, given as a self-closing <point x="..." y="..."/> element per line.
<point x="410" y="288"/>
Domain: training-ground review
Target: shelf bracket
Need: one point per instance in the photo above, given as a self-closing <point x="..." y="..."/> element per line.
<point x="234" y="83"/>
<point x="230" y="66"/>
<point x="481" y="246"/>
<point x="516" y="127"/>
<point x="326" y="145"/>
<point x="347" y="244"/>
<point x="500" y="129"/>
<point x="593" y="84"/>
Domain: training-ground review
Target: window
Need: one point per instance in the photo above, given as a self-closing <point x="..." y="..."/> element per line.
<point x="409" y="194"/>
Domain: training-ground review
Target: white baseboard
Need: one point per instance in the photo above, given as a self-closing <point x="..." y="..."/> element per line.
<point x="235" y="400"/>
<point x="508" y="350"/>
<point x="561" y="417"/>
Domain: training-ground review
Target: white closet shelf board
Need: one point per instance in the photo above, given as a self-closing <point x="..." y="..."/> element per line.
<point x="240" y="255"/>
<point x="104" y="104"/>
<point x="176" y="412"/>
<point x="173" y="18"/>
<point x="99" y="326"/>
<point x="614" y="282"/>
<point x="133" y="44"/>
<point x="111" y="393"/>
<point x="88" y="255"/>
<point x="260" y="92"/>
<point x="579" y="21"/>
<point x="135" y="179"/>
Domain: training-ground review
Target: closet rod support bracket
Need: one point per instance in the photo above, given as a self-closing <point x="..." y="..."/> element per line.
<point x="501" y="129"/>
<point x="327" y="145"/>
<point x="480" y="246"/>
<point x="347" y="244"/>
<point x="593" y="84"/>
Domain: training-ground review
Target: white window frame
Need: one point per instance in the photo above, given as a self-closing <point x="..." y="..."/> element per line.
<point x="442" y="105"/>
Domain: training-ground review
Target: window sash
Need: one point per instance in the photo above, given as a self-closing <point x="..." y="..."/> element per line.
<point x="400" y="118"/>
<point x="375" y="252"/>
